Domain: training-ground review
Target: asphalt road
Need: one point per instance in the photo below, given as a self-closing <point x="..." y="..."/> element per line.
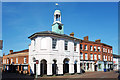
<point x="113" y="75"/>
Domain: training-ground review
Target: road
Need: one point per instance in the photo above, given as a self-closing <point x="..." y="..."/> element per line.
<point x="86" y="76"/>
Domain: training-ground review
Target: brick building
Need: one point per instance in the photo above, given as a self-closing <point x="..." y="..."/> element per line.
<point x="95" y="56"/>
<point x="16" y="61"/>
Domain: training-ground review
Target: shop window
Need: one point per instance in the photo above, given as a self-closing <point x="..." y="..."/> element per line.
<point x="99" y="66"/>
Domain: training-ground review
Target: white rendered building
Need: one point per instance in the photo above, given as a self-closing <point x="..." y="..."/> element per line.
<point x="55" y="52"/>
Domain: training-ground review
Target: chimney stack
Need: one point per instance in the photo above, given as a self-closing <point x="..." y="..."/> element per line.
<point x="72" y="34"/>
<point x="11" y="51"/>
<point x="98" y="40"/>
<point x="86" y="38"/>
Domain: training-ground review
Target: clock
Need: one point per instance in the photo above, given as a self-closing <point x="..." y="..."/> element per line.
<point x="60" y="27"/>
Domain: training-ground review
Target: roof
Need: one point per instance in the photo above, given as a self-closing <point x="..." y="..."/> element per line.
<point x="116" y="56"/>
<point x="96" y="43"/>
<point x="26" y="50"/>
<point x="50" y="33"/>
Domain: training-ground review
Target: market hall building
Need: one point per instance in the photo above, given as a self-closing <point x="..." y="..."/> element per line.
<point x="57" y="53"/>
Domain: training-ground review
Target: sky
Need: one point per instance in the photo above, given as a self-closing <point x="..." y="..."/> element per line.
<point x="98" y="20"/>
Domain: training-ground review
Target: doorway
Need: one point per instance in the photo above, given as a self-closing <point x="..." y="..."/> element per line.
<point x="66" y="66"/>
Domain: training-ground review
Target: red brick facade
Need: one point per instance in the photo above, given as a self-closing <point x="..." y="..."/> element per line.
<point x="101" y="52"/>
<point x="16" y="61"/>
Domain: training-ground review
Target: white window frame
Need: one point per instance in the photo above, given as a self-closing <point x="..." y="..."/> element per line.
<point x="54" y="43"/>
<point x="25" y="60"/>
<point x="91" y="48"/>
<point x="16" y="60"/>
<point x="95" y="56"/>
<point x="95" y="48"/>
<point x="98" y="56"/>
<point x="98" y="48"/>
<point x="86" y="56"/>
<point x="75" y="46"/>
<point x="108" y="50"/>
<point x="11" y="61"/>
<point x="7" y="61"/>
<point x="86" y="47"/>
<point x="111" y="52"/>
<point x="81" y="56"/>
<point x="66" y="45"/>
<point x="91" y="56"/>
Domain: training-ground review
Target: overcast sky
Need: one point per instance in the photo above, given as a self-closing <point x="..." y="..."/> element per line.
<point x="96" y="20"/>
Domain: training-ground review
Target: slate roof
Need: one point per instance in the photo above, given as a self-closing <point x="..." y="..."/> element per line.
<point x="50" y="33"/>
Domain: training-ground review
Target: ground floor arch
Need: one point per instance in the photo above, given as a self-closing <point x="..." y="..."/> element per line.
<point x="54" y="67"/>
<point x="75" y="66"/>
<point x="66" y="65"/>
<point x="43" y="67"/>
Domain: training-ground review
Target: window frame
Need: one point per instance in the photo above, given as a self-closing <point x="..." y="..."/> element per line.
<point x="25" y="60"/>
<point x="54" y="43"/>
<point x="66" y="45"/>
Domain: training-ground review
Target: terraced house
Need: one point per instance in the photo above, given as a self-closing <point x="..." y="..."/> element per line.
<point x="95" y="56"/>
<point x="55" y="53"/>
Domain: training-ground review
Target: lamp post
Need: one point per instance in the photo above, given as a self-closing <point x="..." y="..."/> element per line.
<point x="37" y="62"/>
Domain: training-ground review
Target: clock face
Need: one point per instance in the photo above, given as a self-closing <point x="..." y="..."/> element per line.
<point x="60" y="27"/>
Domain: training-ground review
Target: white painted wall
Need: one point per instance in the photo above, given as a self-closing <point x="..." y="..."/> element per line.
<point x="43" y="50"/>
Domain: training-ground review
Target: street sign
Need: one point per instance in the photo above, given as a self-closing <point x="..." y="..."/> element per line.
<point x="37" y="62"/>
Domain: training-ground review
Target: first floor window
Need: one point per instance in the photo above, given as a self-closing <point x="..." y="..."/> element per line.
<point x="86" y="57"/>
<point x="54" y="43"/>
<point x="91" y="55"/>
<point x="98" y="48"/>
<point x="99" y="56"/>
<point x="94" y="48"/>
<point x="91" y="48"/>
<point x="81" y="55"/>
<point x="95" y="57"/>
<point x="81" y="46"/>
<point x="75" y="46"/>
<point x="7" y="61"/>
<point x="85" y="47"/>
<point x="66" y="45"/>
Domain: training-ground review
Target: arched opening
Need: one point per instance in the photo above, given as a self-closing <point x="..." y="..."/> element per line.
<point x="54" y="67"/>
<point x="75" y="67"/>
<point x="43" y="66"/>
<point x="66" y="66"/>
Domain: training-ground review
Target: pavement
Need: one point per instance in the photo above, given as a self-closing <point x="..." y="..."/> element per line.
<point x="112" y="75"/>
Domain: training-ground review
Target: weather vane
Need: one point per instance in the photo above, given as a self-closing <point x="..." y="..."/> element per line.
<point x="57" y="5"/>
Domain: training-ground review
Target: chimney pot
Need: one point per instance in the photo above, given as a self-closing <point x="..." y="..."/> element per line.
<point x="11" y="51"/>
<point x="98" y="40"/>
<point x="72" y="34"/>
